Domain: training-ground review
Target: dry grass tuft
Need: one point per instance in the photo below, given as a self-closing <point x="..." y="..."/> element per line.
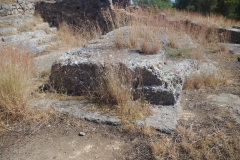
<point x="16" y="73"/>
<point x="189" y="144"/>
<point x="16" y="86"/>
<point x="224" y="49"/>
<point x="133" y="39"/>
<point x="146" y="30"/>
<point x="172" y="43"/>
<point x="147" y="47"/>
<point x="147" y="41"/>
<point x="205" y="81"/>
<point x="210" y="21"/>
<point x="31" y="24"/>
<point x="147" y="130"/>
<point x="165" y="148"/>
<point x="119" y="41"/>
<point x="217" y="48"/>
<point x="114" y="93"/>
<point x="6" y="2"/>
<point x="70" y="36"/>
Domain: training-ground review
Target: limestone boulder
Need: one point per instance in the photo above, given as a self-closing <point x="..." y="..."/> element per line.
<point x="158" y="80"/>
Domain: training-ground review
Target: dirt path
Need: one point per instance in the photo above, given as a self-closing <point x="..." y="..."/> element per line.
<point x="63" y="142"/>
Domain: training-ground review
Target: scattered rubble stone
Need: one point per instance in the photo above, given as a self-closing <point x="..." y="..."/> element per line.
<point x="81" y="134"/>
<point x="18" y="7"/>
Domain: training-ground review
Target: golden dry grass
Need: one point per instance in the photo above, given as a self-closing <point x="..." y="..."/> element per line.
<point x="15" y="81"/>
<point x="145" y="30"/>
<point x="190" y="144"/>
<point x="210" y="21"/>
<point x="31" y="24"/>
<point x="70" y="36"/>
<point x="140" y="37"/>
<point x="6" y="2"/>
<point x="119" y="41"/>
<point x="147" y="130"/>
<point x="199" y="81"/>
<point x="16" y="88"/>
<point x="114" y="94"/>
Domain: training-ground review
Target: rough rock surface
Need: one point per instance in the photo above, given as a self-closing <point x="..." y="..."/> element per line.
<point x="234" y="48"/>
<point x="83" y="13"/>
<point x="4" y="31"/>
<point x="77" y="71"/>
<point x="18" y="7"/>
<point x="36" y="39"/>
<point x="163" y="118"/>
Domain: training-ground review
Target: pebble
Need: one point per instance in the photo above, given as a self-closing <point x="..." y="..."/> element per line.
<point x="82" y="134"/>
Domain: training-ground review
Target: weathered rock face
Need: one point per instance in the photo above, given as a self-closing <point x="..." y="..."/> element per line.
<point x="81" y="12"/>
<point x="78" y="71"/>
<point x="20" y="7"/>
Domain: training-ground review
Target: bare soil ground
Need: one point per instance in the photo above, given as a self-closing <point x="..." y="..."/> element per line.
<point x="60" y="140"/>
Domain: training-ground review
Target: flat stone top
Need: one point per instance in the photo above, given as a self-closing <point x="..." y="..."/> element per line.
<point x="163" y="118"/>
<point x="102" y="51"/>
<point x="128" y="57"/>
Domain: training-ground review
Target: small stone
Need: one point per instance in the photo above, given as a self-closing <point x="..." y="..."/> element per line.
<point x="54" y="157"/>
<point x="81" y="134"/>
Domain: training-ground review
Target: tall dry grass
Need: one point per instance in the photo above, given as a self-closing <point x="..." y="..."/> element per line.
<point x="72" y="36"/>
<point x="114" y="93"/>
<point x="210" y="21"/>
<point x="16" y="88"/>
<point x="147" y="26"/>
<point x="190" y="144"/>
<point x="201" y="81"/>
<point x="16" y="73"/>
<point x="146" y="39"/>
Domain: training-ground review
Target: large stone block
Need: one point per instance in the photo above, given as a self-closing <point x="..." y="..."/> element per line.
<point x="81" y="13"/>
<point x="78" y="71"/>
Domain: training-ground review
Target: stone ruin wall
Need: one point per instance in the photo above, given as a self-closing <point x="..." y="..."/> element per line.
<point x="18" y="7"/>
<point x="81" y="12"/>
<point x="224" y="35"/>
<point x="94" y="12"/>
